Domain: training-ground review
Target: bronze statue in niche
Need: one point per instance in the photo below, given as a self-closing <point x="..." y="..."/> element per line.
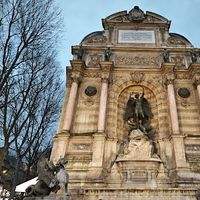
<point x="141" y="138"/>
<point x="107" y="54"/>
<point x="138" y="112"/>
<point x="165" y="55"/>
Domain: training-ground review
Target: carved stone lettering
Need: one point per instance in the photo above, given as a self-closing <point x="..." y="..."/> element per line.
<point x="136" y="36"/>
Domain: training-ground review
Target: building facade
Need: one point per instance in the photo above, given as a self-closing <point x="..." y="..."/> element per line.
<point x="130" y="123"/>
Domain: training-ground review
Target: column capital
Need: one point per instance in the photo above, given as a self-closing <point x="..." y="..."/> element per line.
<point x="168" y="71"/>
<point x="194" y="70"/>
<point x="106" y="68"/>
<point x="76" y="77"/>
<point x="196" y="78"/>
<point x="169" y="78"/>
<point x="78" y="67"/>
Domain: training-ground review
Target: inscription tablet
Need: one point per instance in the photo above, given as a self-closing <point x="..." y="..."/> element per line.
<point x="136" y="36"/>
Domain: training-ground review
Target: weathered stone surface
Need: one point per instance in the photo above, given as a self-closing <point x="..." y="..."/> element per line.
<point x="105" y="161"/>
<point x="142" y="194"/>
<point x="50" y="197"/>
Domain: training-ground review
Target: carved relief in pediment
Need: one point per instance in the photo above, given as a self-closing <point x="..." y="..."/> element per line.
<point x="98" y="39"/>
<point x="136" y="14"/>
<point x="172" y="41"/>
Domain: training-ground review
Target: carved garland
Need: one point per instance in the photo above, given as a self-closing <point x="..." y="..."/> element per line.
<point x="137" y="60"/>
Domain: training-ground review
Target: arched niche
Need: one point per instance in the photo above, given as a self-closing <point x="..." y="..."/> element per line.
<point x="122" y="128"/>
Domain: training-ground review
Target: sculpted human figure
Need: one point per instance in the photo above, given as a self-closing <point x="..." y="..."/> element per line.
<point x="138" y="111"/>
<point x="165" y="55"/>
<point x="141" y="135"/>
<point x="107" y="54"/>
<point x="193" y="56"/>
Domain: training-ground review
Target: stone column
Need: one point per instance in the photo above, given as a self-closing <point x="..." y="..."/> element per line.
<point x="176" y="138"/>
<point x="96" y="165"/>
<point x="69" y="113"/>
<point x="106" y="68"/>
<point x="103" y="106"/>
<point x="172" y="104"/>
<point x="77" y="70"/>
<point x="61" y="140"/>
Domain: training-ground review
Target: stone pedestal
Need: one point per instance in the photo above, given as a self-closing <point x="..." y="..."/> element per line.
<point x="139" y="194"/>
<point x="138" y="173"/>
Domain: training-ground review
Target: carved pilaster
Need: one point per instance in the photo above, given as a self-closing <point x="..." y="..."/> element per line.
<point x="110" y="29"/>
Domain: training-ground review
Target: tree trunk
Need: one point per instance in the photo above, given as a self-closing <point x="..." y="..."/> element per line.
<point x="15" y="178"/>
<point x="27" y="175"/>
<point x="3" y="153"/>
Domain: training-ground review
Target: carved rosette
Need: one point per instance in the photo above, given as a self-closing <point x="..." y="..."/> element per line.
<point x="95" y="59"/>
<point x="137" y="77"/>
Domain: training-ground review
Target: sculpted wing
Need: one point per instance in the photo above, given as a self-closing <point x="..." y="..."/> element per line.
<point x="130" y="107"/>
<point x="146" y="109"/>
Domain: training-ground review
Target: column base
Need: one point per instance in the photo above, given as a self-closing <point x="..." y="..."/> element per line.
<point x="60" y="146"/>
<point x="64" y="132"/>
<point x="95" y="173"/>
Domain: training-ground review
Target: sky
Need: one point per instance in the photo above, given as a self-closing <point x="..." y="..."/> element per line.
<point x="82" y="17"/>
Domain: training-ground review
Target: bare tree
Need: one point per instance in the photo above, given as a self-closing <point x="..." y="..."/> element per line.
<point x="29" y="30"/>
<point x="35" y="122"/>
<point x="30" y="87"/>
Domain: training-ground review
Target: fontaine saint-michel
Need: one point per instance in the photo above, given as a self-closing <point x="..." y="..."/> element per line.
<point x="130" y="122"/>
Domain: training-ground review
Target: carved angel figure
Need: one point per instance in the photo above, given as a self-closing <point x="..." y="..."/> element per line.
<point x="138" y="111"/>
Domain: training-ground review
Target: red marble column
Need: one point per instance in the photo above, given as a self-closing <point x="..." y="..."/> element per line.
<point x="103" y="106"/>
<point x="69" y="113"/>
<point x="76" y="76"/>
<point x="172" y="106"/>
<point x="106" y="68"/>
<point x="176" y="137"/>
